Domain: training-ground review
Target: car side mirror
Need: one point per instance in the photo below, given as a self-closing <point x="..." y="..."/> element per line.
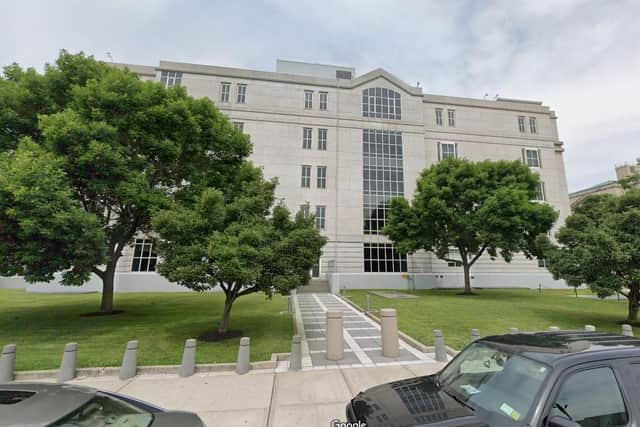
<point x="561" y="422"/>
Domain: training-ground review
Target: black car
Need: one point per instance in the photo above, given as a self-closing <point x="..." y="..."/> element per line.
<point x="66" y="405"/>
<point x="555" y="379"/>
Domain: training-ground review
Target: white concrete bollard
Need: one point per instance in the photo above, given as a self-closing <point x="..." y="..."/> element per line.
<point x="295" y="359"/>
<point x="627" y="330"/>
<point x="335" y="336"/>
<point x="475" y="335"/>
<point x="589" y="328"/>
<point x="243" y="365"/>
<point x="368" y="300"/>
<point x="440" y="347"/>
<point x="7" y="363"/>
<point x="553" y="329"/>
<point x="513" y="331"/>
<point x="389" y="332"/>
<point x="129" y="361"/>
<point x="68" y="365"/>
<point x="188" y="366"/>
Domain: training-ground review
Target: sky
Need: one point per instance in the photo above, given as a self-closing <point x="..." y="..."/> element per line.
<point x="579" y="57"/>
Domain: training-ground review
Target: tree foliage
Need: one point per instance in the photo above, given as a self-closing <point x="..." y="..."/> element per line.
<point x="473" y="208"/>
<point x="236" y="240"/>
<point x="599" y="246"/>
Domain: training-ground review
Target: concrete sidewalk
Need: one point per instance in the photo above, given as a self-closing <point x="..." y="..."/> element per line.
<point x="263" y="398"/>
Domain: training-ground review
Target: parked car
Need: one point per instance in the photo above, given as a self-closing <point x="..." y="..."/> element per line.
<point x="552" y="379"/>
<point x="66" y="405"/>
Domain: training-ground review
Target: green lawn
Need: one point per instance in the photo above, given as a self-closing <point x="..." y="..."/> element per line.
<point x="41" y="324"/>
<point x="495" y="311"/>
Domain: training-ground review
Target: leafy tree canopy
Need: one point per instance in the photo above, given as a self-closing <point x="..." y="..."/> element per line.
<point x="474" y="208"/>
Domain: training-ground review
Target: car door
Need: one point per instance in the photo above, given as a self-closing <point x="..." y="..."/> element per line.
<point x="630" y="374"/>
<point x="590" y="395"/>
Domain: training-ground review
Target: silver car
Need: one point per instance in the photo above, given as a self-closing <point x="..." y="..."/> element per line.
<point x="66" y="405"/>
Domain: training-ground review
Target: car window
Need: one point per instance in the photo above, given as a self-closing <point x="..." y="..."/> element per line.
<point x="591" y="398"/>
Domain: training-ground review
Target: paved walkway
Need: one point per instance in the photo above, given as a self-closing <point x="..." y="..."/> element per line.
<point x="361" y="335"/>
<point x="264" y="398"/>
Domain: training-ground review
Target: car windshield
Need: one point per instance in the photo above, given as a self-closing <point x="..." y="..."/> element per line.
<point x="103" y="411"/>
<point x="495" y="380"/>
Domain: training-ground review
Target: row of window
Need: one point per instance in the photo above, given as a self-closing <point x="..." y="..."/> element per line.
<point x="533" y="124"/>
<point x="241" y="92"/>
<point x="321" y="214"/>
<point x="321" y="176"/>
<point x="307" y="139"/>
<point x="308" y="100"/>
<point x="451" y="117"/>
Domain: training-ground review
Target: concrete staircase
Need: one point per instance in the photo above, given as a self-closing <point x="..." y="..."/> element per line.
<point x="315" y="286"/>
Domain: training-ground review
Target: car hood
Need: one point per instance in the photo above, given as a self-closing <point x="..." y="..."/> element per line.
<point x="411" y="402"/>
<point x="176" y="418"/>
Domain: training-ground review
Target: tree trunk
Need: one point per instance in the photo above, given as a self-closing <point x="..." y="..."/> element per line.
<point x="223" y="328"/>
<point x="106" y="305"/>
<point x="634" y="303"/>
<point x="467" y="278"/>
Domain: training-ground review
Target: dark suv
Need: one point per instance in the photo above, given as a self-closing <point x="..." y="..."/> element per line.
<point x="555" y="379"/>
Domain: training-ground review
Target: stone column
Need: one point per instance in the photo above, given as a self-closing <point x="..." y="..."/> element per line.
<point x="627" y="330"/>
<point x="188" y="366"/>
<point x="129" y="361"/>
<point x="334" y="336"/>
<point x="68" y="365"/>
<point x="7" y="363"/>
<point x="553" y="329"/>
<point x="440" y="347"/>
<point x="389" y="332"/>
<point x="513" y="331"/>
<point x="589" y="328"/>
<point x="475" y="335"/>
<point x="243" y="365"/>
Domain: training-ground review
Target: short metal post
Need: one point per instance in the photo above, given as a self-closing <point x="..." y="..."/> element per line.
<point x="475" y="335"/>
<point x="295" y="360"/>
<point x="389" y="332"/>
<point x="440" y="347"/>
<point x="68" y="365"/>
<point x="7" y="363"/>
<point x="242" y="365"/>
<point x="513" y="331"/>
<point x="627" y="330"/>
<point x="589" y="328"/>
<point x="335" y="336"/>
<point x="188" y="366"/>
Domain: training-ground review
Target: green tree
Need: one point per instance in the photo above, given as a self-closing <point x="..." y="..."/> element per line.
<point x="472" y="207"/>
<point x="599" y="246"/>
<point x="237" y="240"/>
<point x="124" y="145"/>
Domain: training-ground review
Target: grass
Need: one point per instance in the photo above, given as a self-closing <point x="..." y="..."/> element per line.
<point x="495" y="311"/>
<point x="41" y="324"/>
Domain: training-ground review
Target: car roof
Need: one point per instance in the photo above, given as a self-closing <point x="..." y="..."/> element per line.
<point x="40" y="403"/>
<point x="567" y="346"/>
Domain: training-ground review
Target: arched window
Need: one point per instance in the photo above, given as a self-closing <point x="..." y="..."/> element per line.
<point x="381" y="103"/>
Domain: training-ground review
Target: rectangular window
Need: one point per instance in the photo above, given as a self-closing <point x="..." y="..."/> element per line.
<point x="239" y="126"/>
<point x="323" y="100"/>
<point x="305" y="209"/>
<point x="306" y="176"/>
<point x="306" y="138"/>
<point x="322" y="139"/>
<point x="225" y="89"/>
<point x="447" y="150"/>
<point x="383" y="258"/>
<point x="531" y="157"/>
<point x="322" y="176"/>
<point x="451" y="114"/>
<point x="321" y="212"/>
<point x="540" y="193"/>
<point x="383" y="176"/>
<point x="242" y="94"/>
<point x="171" y="78"/>
<point x="454" y="257"/>
<point x="533" y="125"/>
<point x="542" y="263"/>
<point x="521" y="127"/>
<point x="308" y="99"/>
<point x="144" y="259"/>
<point x="439" y="116"/>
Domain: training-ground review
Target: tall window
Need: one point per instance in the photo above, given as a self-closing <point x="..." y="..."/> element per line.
<point x="306" y="176"/>
<point x="321" y="212"/>
<point x="171" y="78"/>
<point x="225" y="88"/>
<point x="323" y="101"/>
<point x="239" y="126"/>
<point x="439" y="116"/>
<point x="383" y="176"/>
<point x="383" y="258"/>
<point x="381" y="103"/>
<point x="533" y="125"/>
<point x="308" y="99"/>
<point x="242" y="94"/>
<point x="531" y="157"/>
<point x="306" y="138"/>
<point x="322" y="177"/>
<point x="540" y="193"/>
<point x="521" y="126"/>
<point x="144" y="259"/>
<point x="322" y="139"/>
<point x="446" y="150"/>
<point x="451" y="115"/>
